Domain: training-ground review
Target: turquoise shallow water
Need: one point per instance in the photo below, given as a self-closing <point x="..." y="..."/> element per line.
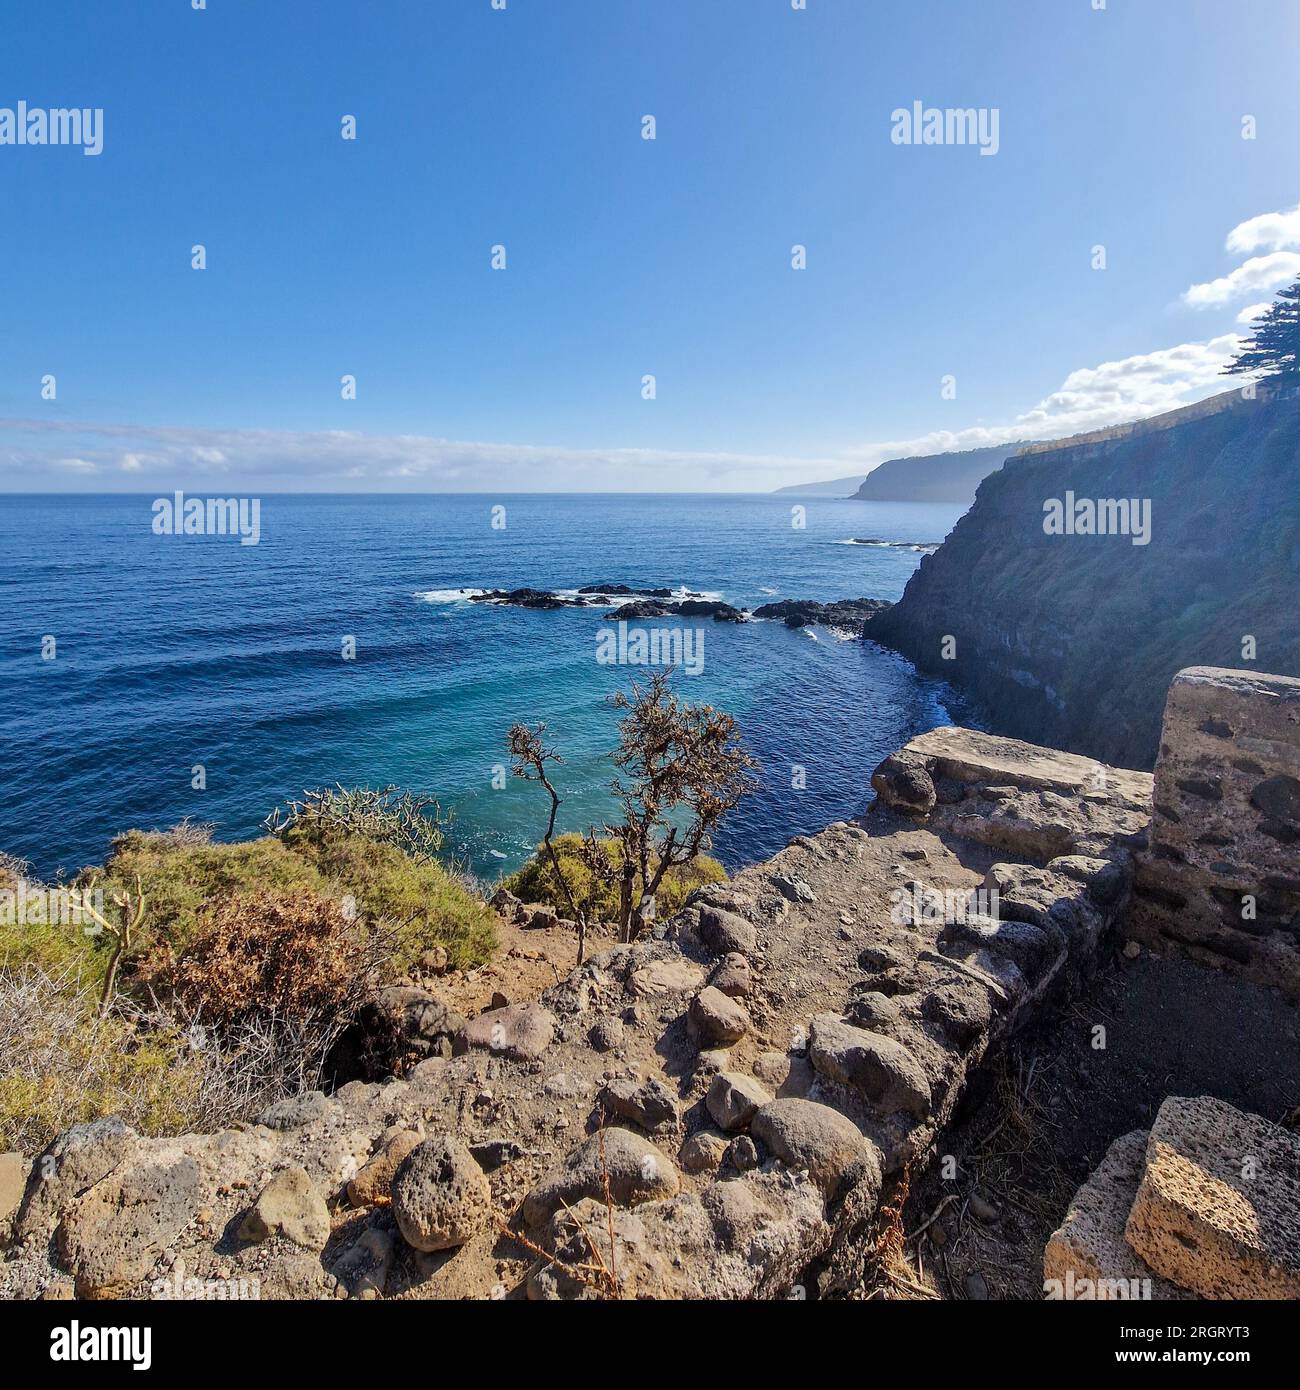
<point x="177" y="651"/>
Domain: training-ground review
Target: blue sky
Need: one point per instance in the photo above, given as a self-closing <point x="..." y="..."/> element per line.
<point x="522" y="127"/>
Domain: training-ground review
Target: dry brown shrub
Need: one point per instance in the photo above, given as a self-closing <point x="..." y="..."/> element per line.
<point x="299" y="960"/>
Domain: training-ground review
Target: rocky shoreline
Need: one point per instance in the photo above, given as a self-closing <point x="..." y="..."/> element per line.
<point x="842" y="615"/>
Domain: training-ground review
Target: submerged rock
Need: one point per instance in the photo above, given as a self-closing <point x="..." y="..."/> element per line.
<point x="845" y="614"/>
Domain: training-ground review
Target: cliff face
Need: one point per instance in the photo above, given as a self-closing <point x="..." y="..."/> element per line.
<point x="836" y="487"/>
<point x="934" y="478"/>
<point x="1072" y="639"/>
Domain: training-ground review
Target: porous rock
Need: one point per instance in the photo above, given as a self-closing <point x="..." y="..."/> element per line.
<point x="441" y="1197"/>
<point x="1218" y="1208"/>
<point x="114" y="1233"/>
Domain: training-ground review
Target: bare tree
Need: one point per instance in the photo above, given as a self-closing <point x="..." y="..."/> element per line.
<point x="529" y="756"/>
<point x="123" y="933"/>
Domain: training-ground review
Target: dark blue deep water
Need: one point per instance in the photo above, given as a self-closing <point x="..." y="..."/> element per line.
<point x="177" y="651"/>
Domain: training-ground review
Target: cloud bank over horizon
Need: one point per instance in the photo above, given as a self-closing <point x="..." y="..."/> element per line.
<point x="64" y="455"/>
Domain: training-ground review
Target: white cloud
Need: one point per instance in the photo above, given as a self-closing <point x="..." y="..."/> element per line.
<point x="1251" y="312"/>
<point x="202" y="459"/>
<point x="1259" y="273"/>
<point x="322" y="460"/>
<point x="1090" y="398"/>
<point x="1270" y="231"/>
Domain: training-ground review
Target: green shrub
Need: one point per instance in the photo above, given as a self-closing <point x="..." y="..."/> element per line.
<point x="422" y="903"/>
<point x="536" y="881"/>
<point x="179" y="881"/>
<point x="60" y="1065"/>
<point x="27" y="938"/>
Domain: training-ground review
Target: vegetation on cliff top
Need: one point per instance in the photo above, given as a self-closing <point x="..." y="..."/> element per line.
<point x="679" y="769"/>
<point x="538" y="882"/>
<point x="1272" y="351"/>
<point x="250" y="959"/>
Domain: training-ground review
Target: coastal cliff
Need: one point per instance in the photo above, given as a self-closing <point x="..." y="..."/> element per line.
<point x="1071" y="639"/>
<point x="951" y="477"/>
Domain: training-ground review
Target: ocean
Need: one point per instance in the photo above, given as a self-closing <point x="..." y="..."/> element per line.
<point x="132" y="660"/>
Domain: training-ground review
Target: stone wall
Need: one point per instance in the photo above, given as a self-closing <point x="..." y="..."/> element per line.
<point x="1221" y="878"/>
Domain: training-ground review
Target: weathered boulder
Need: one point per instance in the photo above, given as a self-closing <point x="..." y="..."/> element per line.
<point x="374" y="1179"/>
<point x="1104" y="879"/>
<point x="733" y="1098"/>
<point x="635" y="1169"/>
<point x="743" y="1239"/>
<point x="295" y="1111"/>
<point x="961" y="1006"/>
<point x="884" y="1070"/>
<point x="607" y="1033"/>
<point x="725" y="932"/>
<point x="505" y="903"/>
<point x="733" y="976"/>
<point x="1218" y="1208"/>
<point x="785" y="1073"/>
<point x="664" y="977"/>
<point x="716" y="1019"/>
<point x="441" y="1197"/>
<point x="519" y="1031"/>
<point x="877" y="1012"/>
<point x="1087" y="1257"/>
<point x="903" y="783"/>
<point x="114" y="1233"/>
<point x="702" y="1152"/>
<point x="1028" y="947"/>
<point x="794" y="889"/>
<point x="649" y="1103"/>
<point x="289" y="1206"/>
<point x="71" y="1165"/>
<point x="819" y="1140"/>
<point x="743" y="1155"/>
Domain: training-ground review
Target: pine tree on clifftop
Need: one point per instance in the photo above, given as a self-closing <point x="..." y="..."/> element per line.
<point x="1273" y="350"/>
